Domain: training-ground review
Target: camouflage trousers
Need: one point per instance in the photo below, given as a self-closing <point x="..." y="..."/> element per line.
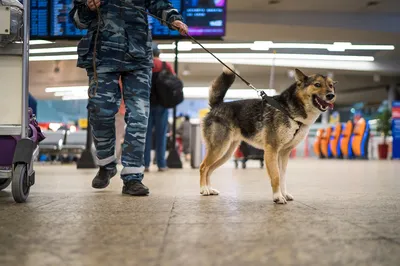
<point x="102" y="110"/>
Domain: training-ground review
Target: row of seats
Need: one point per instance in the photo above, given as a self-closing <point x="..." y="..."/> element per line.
<point x="63" y="142"/>
<point x="347" y="140"/>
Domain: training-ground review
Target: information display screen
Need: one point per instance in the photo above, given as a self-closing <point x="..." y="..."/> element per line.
<point x="158" y="29"/>
<point x="60" y="23"/>
<point x="39" y="18"/>
<point x="205" y="18"/>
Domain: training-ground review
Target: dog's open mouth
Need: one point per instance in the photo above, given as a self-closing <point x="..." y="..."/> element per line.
<point x="321" y="104"/>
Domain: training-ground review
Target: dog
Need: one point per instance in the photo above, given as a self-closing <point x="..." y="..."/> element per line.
<point x="262" y="126"/>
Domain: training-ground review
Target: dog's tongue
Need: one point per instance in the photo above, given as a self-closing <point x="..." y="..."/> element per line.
<point x="330" y="105"/>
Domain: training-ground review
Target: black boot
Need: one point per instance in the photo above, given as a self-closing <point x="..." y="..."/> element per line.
<point x="135" y="188"/>
<point x="102" y="179"/>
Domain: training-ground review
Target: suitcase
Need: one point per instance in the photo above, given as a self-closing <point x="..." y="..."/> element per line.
<point x="9" y="146"/>
<point x="250" y="153"/>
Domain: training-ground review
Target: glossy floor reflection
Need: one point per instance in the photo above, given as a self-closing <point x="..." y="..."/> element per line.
<point x="344" y="213"/>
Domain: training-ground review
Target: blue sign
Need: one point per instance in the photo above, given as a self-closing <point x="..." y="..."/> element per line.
<point x="396" y="129"/>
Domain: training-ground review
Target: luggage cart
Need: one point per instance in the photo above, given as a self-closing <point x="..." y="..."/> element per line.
<point x="17" y="151"/>
<point x="248" y="152"/>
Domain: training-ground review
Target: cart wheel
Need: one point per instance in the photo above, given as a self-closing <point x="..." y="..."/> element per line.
<point x="20" y="188"/>
<point x="4" y="183"/>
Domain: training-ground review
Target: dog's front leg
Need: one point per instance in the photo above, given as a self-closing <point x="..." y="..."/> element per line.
<point x="283" y="161"/>
<point x="272" y="163"/>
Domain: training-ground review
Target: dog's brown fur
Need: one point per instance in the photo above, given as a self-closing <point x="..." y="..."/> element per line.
<point x="261" y="125"/>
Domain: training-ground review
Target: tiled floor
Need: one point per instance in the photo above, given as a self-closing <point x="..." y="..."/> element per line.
<point x="344" y="213"/>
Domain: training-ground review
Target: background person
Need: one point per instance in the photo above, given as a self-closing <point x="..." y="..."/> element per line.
<point x="158" y="119"/>
<point x="185" y="131"/>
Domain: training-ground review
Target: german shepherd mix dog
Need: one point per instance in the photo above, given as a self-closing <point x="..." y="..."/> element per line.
<point x="263" y="126"/>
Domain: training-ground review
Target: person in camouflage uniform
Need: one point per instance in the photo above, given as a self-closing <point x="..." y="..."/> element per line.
<point x="123" y="49"/>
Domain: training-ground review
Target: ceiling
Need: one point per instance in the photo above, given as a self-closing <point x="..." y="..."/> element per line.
<point x="311" y="21"/>
<point x="315" y="5"/>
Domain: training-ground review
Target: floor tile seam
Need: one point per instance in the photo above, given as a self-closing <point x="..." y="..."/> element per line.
<point x="164" y="240"/>
<point x="86" y="211"/>
<point x="380" y="236"/>
<point x="249" y="241"/>
<point x="355" y="224"/>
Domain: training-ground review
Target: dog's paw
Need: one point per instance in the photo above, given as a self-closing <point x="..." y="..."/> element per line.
<point x="204" y="191"/>
<point x="289" y="197"/>
<point x="278" y="198"/>
<point x="208" y="191"/>
<point x="213" y="191"/>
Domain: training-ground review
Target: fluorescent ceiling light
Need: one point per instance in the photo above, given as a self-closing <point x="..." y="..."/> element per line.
<point x="192" y="57"/>
<point x="67" y="89"/>
<point x="53" y="57"/>
<point x="334" y="62"/>
<point x="166" y="46"/>
<point x="78" y="97"/>
<point x="37" y="42"/>
<point x="256" y="46"/>
<point x="71" y="93"/>
<point x="203" y="93"/>
<point x="53" y="50"/>
<point x="336" y="46"/>
<point x="80" y="93"/>
<point x="259" y="56"/>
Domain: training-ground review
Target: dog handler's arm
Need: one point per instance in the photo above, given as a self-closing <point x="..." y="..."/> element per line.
<point x="164" y="9"/>
<point x="81" y="14"/>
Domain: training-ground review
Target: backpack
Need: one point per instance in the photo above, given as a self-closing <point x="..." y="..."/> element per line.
<point x="167" y="89"/>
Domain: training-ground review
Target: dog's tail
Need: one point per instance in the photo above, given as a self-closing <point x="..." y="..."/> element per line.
<point x="220" y="86"/>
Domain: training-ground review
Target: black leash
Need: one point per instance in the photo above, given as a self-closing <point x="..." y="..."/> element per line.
<point x="270" y="100"/>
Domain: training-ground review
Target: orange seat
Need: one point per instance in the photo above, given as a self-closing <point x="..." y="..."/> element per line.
<point x="325" y="142"/>
<point x="345" y="144"/>
<point x="317" y="142"/>
<point x="335" y="140"/>
<point x="359" y="130"/>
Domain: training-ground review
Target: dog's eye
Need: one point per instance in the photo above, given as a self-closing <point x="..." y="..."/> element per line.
<point x="318" y="85"/>
<point x="330" y="86"/>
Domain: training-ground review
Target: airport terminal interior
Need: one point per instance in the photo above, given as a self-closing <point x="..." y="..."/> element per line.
<point x="342" y="174"/>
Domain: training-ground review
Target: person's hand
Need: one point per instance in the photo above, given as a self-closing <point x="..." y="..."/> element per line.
<point x="93" y="4"/>
<point x="180" y="26"/>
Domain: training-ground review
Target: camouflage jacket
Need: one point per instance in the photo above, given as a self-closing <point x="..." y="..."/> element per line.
<point x="124" y="41"/>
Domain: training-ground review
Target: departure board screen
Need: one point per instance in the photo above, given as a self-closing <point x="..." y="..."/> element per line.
<point x="61" y="25"/>
<point x="205" y="18"/>
<point x="159" y="30"/>
<point x="39" y="18"/>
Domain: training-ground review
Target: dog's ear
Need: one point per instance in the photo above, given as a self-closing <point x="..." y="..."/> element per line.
<point x="335" y="82"/>
<point x="300" y="76"/>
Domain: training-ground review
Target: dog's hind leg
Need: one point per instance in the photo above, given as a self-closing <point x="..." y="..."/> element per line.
<point x="218" y="163"/>
<point x="218" y="138"/>
<point x="272" y="162"/>
<point x="283" y="161"/>
<point x="212" y="155"/>
<point x="215" y="151"/>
